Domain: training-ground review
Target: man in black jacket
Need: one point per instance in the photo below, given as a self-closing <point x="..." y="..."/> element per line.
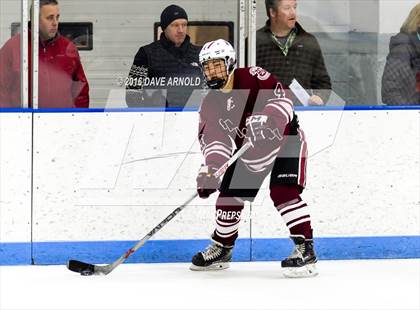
<point x="165" y="73"/>
<point x="286" y="50"/>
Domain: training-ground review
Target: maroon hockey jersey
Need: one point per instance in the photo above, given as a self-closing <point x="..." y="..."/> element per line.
<point x="223" y="115"/>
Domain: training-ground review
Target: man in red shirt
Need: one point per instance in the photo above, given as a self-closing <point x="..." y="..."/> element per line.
<point x="62" y="81"/>
<point x="249" y="104"/>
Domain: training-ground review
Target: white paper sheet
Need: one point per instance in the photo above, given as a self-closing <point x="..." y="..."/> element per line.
<point x="299" y="92"/>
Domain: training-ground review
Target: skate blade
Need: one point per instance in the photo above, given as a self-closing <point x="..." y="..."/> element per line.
<point x="300" y="272"/>
<point x="215" y="266"/>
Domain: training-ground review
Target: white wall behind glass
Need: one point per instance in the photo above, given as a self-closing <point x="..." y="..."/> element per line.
<point x="392" y="14"/>
<point x="9" y="13"/>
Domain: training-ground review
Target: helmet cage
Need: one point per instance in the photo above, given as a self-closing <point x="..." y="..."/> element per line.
<point x="219" y="49"/>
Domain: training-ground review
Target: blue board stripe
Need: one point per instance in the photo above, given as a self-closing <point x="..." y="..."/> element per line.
<point x="162" y="251"/>
<point x="155" y="251"/>
<point x="342" y="248"/>
<point x="15" y="253"/>
<point x="195" y="109"/>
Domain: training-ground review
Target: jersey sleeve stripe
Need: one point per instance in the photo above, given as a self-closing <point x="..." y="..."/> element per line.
<point x="263" y="159"/>
<point x="258" y="165"/>
<point x="286" y="103"/>
<point x="218" y="143"/>
<point x="219" y="148"/>
<point x="261" y="167"/>
<point x="216" y="153"/>
<point x="282" y="110"/>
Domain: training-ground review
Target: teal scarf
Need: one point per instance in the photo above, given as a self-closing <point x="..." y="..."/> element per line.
<point x="285" y="47"/>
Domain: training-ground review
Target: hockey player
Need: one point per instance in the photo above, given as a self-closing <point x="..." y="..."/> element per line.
<point x="249" y="104"/>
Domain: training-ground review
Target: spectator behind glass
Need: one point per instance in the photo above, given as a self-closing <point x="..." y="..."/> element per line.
<point x="418" y="82"/>
<point x="286" y="50"/>
<point x="403" y="64"/>
<point x="62" y="81"/>
<point x="165" y="72"/>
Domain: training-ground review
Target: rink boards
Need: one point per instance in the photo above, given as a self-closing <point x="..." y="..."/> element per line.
<point x="89" y="184"/>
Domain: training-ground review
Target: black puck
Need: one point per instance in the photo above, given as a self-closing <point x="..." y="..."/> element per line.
<point x="80" y="267"/>
<point x="86" y="272"/>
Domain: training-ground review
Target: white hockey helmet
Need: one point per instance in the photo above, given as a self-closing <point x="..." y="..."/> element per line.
<point x="219" y="49"/>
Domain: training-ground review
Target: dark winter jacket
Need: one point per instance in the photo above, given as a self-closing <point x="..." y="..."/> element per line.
<point x="402" y="66"/>
<point x="163" y="75"/>
<point x="62" y="81"/>
<point x="304" y="61"/>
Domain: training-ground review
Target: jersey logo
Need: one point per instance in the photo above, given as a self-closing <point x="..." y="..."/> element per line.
<point x="229" y="104"/>
<point x="228" y="126"/>
<point x="260" y="73"/>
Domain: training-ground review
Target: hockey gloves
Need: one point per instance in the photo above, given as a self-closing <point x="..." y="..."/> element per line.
<point x="259" y="127"/>
<point x="207" y="183"/>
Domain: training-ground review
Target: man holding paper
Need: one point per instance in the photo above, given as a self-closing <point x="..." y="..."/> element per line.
<point x="293" y="55"/>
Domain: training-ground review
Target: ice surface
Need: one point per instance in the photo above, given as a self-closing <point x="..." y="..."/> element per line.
<point x="357" y="284"/>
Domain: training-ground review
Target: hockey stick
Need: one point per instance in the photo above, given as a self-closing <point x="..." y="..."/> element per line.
<point x="86" y="269"/>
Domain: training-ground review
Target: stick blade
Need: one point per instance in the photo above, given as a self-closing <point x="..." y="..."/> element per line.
<point x="84" y="269"/>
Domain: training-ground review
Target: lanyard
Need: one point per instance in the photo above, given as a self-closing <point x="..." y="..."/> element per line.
<point x="285" y="48"/>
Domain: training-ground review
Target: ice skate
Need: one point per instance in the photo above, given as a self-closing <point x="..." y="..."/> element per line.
<point x="301" y="263"/>
<point x="214" y="257"/>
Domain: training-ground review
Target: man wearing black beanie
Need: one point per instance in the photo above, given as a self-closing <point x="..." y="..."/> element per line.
<point x="168" y="68"/>
<point x="171" y="13"/>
